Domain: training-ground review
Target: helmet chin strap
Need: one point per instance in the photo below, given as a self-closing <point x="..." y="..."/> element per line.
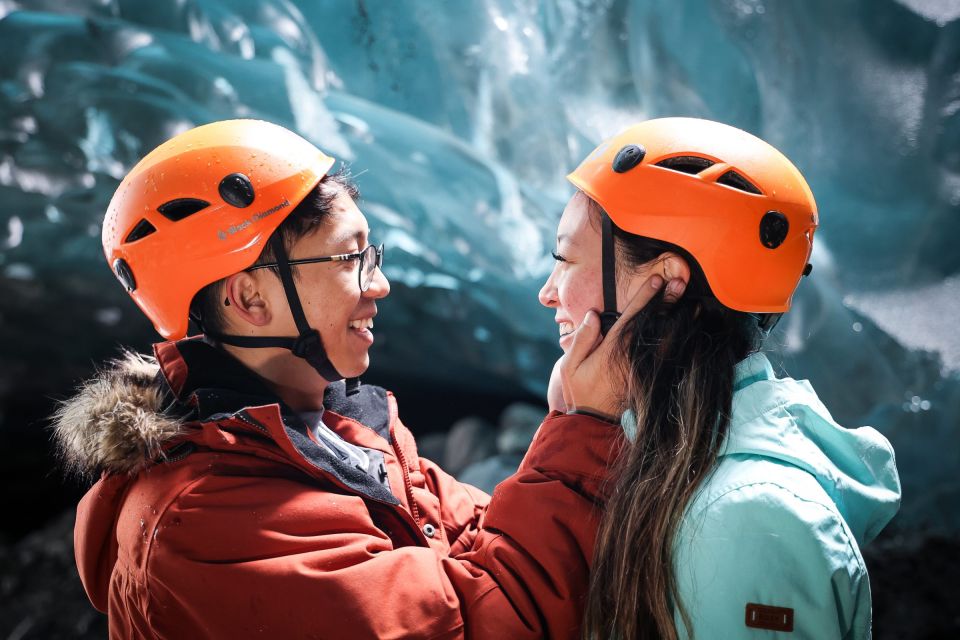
<point x="308" y="345"/>
<point x="610" y="314"/>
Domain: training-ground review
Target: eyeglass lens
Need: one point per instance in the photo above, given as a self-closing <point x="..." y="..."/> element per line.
<point x="368" y="265"/>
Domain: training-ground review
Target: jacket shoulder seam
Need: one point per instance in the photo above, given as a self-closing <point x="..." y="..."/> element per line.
<point x="735" y="484"/>
<point x="835" y="517"/>
<point x="767" y="483"/>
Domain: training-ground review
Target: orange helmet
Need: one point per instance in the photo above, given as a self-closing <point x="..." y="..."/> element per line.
<point x="730" y="199"/>
<point x="201" y="207"/>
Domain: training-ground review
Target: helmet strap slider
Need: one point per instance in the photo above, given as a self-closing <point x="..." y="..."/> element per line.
<point x="307" y="344"/>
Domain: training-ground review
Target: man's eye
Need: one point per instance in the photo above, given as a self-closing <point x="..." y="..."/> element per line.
<point x="558" y="257"/>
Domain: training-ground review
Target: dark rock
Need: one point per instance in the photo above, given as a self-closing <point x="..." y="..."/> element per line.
<point x="40" y="592"/>
<point x="915" y="580"/>
<point x="470" y="440"/>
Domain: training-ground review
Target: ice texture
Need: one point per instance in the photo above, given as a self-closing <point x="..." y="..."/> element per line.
<point x="460" y="120"/>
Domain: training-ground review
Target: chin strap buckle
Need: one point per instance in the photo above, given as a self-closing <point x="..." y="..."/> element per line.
<point x="352" y="386"/>
<point x="607" y="320"/>
<point x="767" y="321"/>
<point x="306" y="344"/>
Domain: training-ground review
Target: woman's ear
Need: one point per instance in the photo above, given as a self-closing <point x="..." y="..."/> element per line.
<point x="243" y="299"/>
<point x="676" y="273"/>
<point x="676" y="270"/>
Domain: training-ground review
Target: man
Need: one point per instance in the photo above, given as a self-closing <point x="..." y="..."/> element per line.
<point x="245" y="489"/>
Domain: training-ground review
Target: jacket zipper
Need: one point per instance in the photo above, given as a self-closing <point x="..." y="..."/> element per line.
<point x="246" y="419"/>
<point x="417" y="533"/>
<point x="187" y="449"/>
<point x="407" y="484"/>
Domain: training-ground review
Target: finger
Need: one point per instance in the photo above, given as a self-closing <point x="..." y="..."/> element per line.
<point x="565" y="384"/>
<point x="555" y="400"/>
<point x="674" y="290"/>
<point x="641" y="299"/>
<point x="584" y="341"/>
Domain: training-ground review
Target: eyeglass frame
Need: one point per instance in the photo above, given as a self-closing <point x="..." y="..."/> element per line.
<point x="340" y="257"/>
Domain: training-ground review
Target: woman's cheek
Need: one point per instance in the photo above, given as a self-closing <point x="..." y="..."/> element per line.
<point x="583" y="297"/>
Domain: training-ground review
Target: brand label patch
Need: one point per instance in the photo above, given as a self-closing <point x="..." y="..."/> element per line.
<point x="761" y="616"/>
<point x="223" y="234"/>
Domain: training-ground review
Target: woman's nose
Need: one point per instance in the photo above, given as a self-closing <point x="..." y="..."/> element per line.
<point x="548" y="293"/>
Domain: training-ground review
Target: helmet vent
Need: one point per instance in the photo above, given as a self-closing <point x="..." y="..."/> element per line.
<point x="141" y="231"/>
<point x="733" y="179"/>
<point x="686" y="164"/>
<point x="181" y="208"/>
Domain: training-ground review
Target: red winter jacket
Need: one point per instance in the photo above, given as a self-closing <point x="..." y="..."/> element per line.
<point x="217" y="515"/>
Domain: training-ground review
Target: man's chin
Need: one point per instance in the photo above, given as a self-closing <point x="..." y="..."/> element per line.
<point x="354" y="369"/>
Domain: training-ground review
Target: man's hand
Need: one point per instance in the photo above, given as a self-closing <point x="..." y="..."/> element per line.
<point x="555" y="391"/>
<point x="588" y="379"/>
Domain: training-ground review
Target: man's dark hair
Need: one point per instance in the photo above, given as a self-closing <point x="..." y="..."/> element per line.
<point x="206" y="309"/>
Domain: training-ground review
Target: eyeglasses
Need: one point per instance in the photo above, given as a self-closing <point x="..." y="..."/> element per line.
<point x="370" y="259"/>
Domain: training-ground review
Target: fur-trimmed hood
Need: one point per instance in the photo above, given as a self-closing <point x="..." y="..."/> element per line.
<point x="115" y="423"/>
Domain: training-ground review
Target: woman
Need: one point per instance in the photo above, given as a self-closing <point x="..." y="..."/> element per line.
<point x="738" y="504"/>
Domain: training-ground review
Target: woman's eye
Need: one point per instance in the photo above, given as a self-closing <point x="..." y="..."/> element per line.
<point x="558" y="257"/>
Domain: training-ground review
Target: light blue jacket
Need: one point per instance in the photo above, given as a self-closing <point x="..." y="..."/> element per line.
<point x="781" y="520"/>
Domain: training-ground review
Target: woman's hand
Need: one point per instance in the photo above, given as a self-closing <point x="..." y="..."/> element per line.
<point x="588" y="380"/>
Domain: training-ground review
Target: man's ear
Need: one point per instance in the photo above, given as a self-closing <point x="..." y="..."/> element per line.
<point x="244" y="302"/>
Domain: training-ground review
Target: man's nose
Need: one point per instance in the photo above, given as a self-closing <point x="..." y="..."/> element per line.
<point x="379" y="285"/>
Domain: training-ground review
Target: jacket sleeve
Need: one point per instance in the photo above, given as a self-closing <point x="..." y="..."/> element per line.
<point x="236" y="557"/>
<point x="761" y="544"/>
<point x="461" y="505"/>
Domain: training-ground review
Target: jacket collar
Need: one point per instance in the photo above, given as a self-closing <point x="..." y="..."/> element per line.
<point x="206" y="380"/>
<point x="753" y="368"/>
<point x="208" y="383"/>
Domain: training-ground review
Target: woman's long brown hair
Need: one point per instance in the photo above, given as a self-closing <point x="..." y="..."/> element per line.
<point x="679" y="361"/>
